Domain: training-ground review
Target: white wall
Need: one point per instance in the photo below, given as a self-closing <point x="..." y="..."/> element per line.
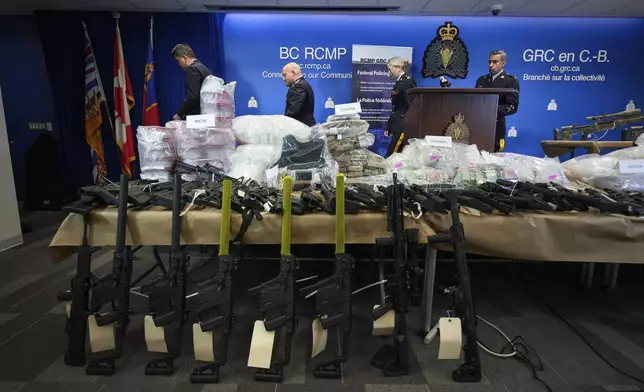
<point x="10" y="231"/>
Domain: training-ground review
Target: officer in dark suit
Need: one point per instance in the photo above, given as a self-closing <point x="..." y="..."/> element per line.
<point x="508" y="103"/>
<point x="196" y="72"/>
<point x="400" y="102"/>
<point x="300" y="101"/>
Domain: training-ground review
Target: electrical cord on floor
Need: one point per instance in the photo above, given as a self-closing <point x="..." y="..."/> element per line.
<point x="520" y="350"/>
<point x="516" y="348"/>
<point x="583" y="338"/>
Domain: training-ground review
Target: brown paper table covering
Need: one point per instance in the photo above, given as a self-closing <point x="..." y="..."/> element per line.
<point x="534" y="236"/>
<point x="202" y="227"/>
<point x="555" y="236"/>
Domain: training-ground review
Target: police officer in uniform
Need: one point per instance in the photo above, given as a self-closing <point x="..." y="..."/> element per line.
<point x="400" y="101"/>
<point x="509" y="102"/>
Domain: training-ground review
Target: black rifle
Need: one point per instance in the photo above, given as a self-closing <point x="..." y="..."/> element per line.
<point x="78" y="293"/>
<point x="333" y="297"/>
<point x="350" y="206"/>
<point x="470" y="370"/>
<point x="212" y="305"/>
<point x="394" y="360"/>
<point x="114" y="289"/>
<point x="277" y="298"/>
<point x="167" y="295"/>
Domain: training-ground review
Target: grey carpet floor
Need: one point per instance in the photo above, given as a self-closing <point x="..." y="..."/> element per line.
<point x="520" y="298"/>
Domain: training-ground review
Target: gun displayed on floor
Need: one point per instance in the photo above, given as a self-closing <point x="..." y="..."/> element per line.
<point x="470" y="370"/>
<point x="212" y="306"/>
<point x="76" y="298"/>
<point x="277" y="306"/>
<point x="394" y="359"/>
<point x="333" y="297"/>
<point x="167" y="298"/>
<point x="107" y="330"/>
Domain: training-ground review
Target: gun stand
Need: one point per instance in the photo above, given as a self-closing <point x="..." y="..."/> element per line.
<point x="470" y="370"/>
<point x="78" y="293"/>
<point x="277" y="299"/>
<point x="167" y="295"/>
<point x="215" y="302"/>
<point x="394" y="359"/>
<point x="333" y="298"/>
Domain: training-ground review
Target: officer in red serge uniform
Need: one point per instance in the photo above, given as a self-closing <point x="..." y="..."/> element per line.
<point x="400" y="102"/>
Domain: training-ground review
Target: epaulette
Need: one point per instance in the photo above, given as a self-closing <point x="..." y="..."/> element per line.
<point x="510" y="76"/>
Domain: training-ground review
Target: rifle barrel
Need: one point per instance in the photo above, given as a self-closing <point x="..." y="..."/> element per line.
<point x="224" y="230"/>
<point x="176" y="212"/>
<point x="122" y="213"/>
<point x="286" y="215"/>
<point x="339" y="214"/>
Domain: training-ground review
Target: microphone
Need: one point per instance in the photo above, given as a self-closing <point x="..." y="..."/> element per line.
<point x="444" y="82"/>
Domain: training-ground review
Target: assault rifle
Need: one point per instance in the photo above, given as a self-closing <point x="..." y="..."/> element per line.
<point x="212" y="306"/>
<point x="470" y="370"/>
<point x="277" y="299"/>
<point x="167" y="295"/>
<point x="394" y="359"/>
<point x="333" y="294"/>
<point x="604" y="122"/>
<point x="113" y="289"/>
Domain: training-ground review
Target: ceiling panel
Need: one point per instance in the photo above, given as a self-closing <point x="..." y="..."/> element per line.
<point x="198" y="5"/>
<point x="509" y="6"/>
<point x="547" y="7"/>
<point x="252" y="2"/>
<point x="303" y="2"/>
<point x="119" y="5"/>
<point x="634" y="8"/>
<point x="595" y="7"/>
<point x="405" y="5"/>
<point x="450" y="6"/>
<point x="365" y="3"/>
<point x="161" y="5"/>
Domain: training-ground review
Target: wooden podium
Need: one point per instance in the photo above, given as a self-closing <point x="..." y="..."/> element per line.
<point x="433" y="109"/>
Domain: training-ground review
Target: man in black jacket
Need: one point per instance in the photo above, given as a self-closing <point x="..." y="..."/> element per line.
<point x="508" y="102"/>
<point x="196" y="72"/>
<point x="300" y="101"/>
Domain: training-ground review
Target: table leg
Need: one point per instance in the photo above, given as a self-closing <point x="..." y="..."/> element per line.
<point x="614" y="271"/>
<point x="590" y="274"/>
<point x="428" y="290"/>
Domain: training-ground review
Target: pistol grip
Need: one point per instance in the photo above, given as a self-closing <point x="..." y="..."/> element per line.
<point x="106" y="319"/>
<point x="381" y="310"/>
<point x="275" y="323"/>
<point x="332" y="321"/>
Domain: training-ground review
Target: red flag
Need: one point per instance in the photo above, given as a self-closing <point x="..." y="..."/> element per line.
<point x="123" y="102"/>
<point x="150" y="104"/>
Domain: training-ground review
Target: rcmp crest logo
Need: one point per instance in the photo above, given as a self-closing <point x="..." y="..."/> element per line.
<point x="446" y="54"/>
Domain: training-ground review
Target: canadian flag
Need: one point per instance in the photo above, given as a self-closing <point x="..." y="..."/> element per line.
<point x="123" y="103"/>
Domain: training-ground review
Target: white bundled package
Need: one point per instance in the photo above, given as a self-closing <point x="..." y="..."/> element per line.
<point x="157" y="152"/>
<point x="252" y="161"/>
<point x="198" y="146"/>
<point x="269" y="129"/>
<point x="218" y="99"/>
<point x="608" y="171"/>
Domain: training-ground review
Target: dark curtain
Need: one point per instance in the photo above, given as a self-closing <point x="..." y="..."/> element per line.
<point x="62" y="39"/>
<point x="63" y="45"/>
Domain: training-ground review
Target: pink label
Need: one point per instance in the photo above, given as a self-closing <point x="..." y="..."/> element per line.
<point x="552" y="177"/>
<point x="399" y="164"/>
<point x="433" y="158"/>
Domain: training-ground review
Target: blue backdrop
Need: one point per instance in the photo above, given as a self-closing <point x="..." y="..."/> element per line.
<point x="256" y="46"/>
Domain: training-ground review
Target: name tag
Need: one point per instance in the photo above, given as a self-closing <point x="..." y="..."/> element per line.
<point x="631" y="166"/>
<point x="348" y="108"/>
<point x="438" y="141"/>
<point x="200" y="121"/>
